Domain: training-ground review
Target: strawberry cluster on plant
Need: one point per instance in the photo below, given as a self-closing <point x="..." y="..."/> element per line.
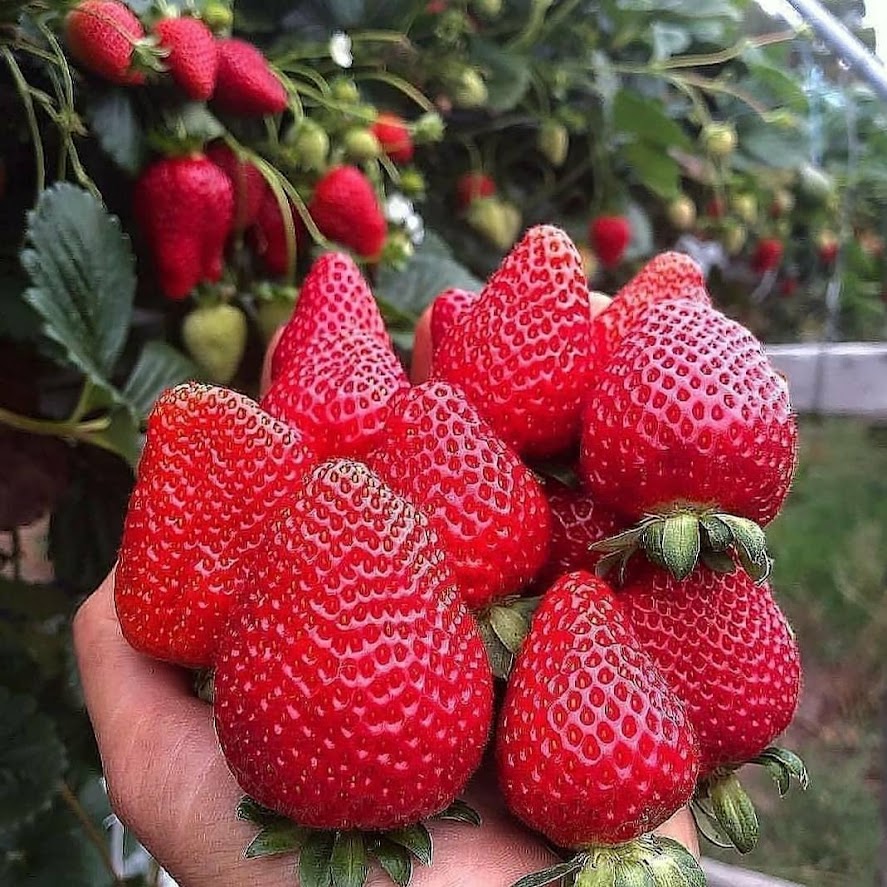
<point x="358" y="560"/>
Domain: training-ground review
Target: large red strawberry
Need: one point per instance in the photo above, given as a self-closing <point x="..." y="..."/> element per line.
<point x="726" y="650"/>
<point x="767" y="255"/>
<point x="245" y="84"/>
<point x="688" y="420"/>
<point x="394" y="137"/>
<point x="351" y="691"/>
<point x="102" y="35"/>
<point x="669" y="275"/>
<point x="593" y="748"/>
<point x="339" y="389"/>
<point x="191" y="57"/>
<point x="471" y="186"/>
<point x="185" y="207"/>
<point x="446" y="308"/>
<point x="609" y="237"/>
<point x="486" y="506"/>
<point x="246" y="180"/>
<point x="521" y="351"/>
<point x="267" y="237"/>
<point x="334" y="299"/>
<point x="214" y="468"/>
<point x="346" y="209"/>
<point x="577" y="523"/>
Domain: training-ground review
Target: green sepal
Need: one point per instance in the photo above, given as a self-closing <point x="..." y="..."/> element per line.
<point x="348" y="860"/>
<point x="395" y="860"/>
<point x="649" y="861"/>
<point x="718" y="536"/>
<point x="633" y="874"/>
<point x="280" y="837"/>
<point x="551" y="875"/>
<point x="253" y="811"/>
<point x="718" y="562"/>
<point x="314" y="860"/>
<point x="510" y="626"/>
<point x="750" y="545"/>
<point x="417" y="839"/>
<point x="707" y="824"/>
<point x="734" y="812"/>
<point x="459" y="811"/>
<point x="681" y="544"/>
<point x="783" y="765"/>
<point x="674" y="865"/>
<point x="500" y="657"/>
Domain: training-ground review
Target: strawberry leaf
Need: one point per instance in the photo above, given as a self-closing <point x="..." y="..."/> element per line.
<point x="348" y="861"/>
<point x="395" y="860"/>
<point x="314" y="861"/>
<point x="158" y="367"/>
<point x="459" y="811"/>
<point x="417" y="839"/>
<point x="113" y="120"/>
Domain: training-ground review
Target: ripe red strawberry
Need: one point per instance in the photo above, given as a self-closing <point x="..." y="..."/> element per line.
<point x="689" y="417"/>
<point x="340" y="390"/>
<point x="827" y="247"/>
<point x="767" y="255"/>
<point x="192" y="60"/>
<point x="669" y="275"/>
<point x="334" y="299"/>
<point x="577" y="523"/>
<point x="352" y="689"/>
<point x="521" y="351"/>
<point x="346" y="209"/>
<point x="789" y="287"/>
<point x="247" y="182"/>
<point x="185" y="207"/>
<point x="102" y="36"/>
<point x="471" y="186"/>
<point x="394" y="137"/>
<point x="485" y="505"/>
<point x="727" y="652"/>
<point x="446" y="308"/>
<point x="245" y="84"/>
<point x="609" y="237"/>
<point x="593" y="749"/>
<point x="213" y="469"/>
<point x="267" y="236"/>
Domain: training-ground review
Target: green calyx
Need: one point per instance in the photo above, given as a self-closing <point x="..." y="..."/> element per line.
<point x="679" y="540"/>
<point x="646" y="862"/>
<point x="503" y="628"/>
<point x="724" y="813"/>
<point x="343" y="858"/>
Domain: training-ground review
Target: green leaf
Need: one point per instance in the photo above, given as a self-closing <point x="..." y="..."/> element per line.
<point x="160" y="366"/>
<point x="280" y="837"/>
<point x="417" y="839"/>
<point x="314" y="861"/>
<point x="348" y="862"/>
<point x="654" y="169"/>
<point x="645" y="120"/>
<point x="507" y="74"/>
<point x="459" y="811"/>
<point x="82" y="278"/>
<point x="38" y="602"/>
<point x="668" y="40"/>
<point x="550" y="875"/>
<point x="510" y="627"/>
<point x="32" y="760"/>
<point x="113" y="120"/>
<point x="121" y="437"/>
<point x="396" y="862"/>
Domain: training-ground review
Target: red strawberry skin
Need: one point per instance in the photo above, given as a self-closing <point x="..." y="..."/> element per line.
<point x="725" y="648"/>
<point x="521" y="351"/>
<point x="669" y="275"/>
<point x="394" y="137"/>
<point x="246" y="180"/>
<point x="485" y="505"/>
<point x="245" y="84"/>
<point x="346" y="210"/>
<point x="340" y="390"/>
<point x="689" y="411"/>
<point x="352" y="689"/>
<point x="193" y="60"/>
<point x="334" y="299"/>
<point x="609" y="237"/>
<point x="101" y="35"/>
<point x="768" y="255"/>
<point x="593" y="748"/>
<point x="267" y="236"/>
<point x="577" y="523"/>
<point x="473" y="186"/>
<point x="213" y="469"/>
<point x="447" y="307"/>
<point x="184" y="207"/>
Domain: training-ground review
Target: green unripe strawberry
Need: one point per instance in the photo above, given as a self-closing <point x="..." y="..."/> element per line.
<point x="344" y="90"/>
<point x="428" y="128"/>
<point x="783" y="203"/>
<point x="274" y="307"/>
<point x="215" y="336"/>
<point x="398" y="250"/>
<point x="815" y="184"/>
<point x="746" y="208"/>
<point x="468" y="89"/>
<point x="682" y="213"/>
<point x="310" y="144"/>
<point x="497" y="220"/>
<point x="451" y="26"/>
<point x="412" y="183"/>
<point x="361" y="145"/>
<point x="719" y="139"/>
<point x="735" y="237"/>
<point x="218" y="16"/>
<point x="553" y="142"/>
<point x="488" y="9"/>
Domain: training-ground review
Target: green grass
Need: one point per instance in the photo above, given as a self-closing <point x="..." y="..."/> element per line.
<point x="830" y="547"/>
